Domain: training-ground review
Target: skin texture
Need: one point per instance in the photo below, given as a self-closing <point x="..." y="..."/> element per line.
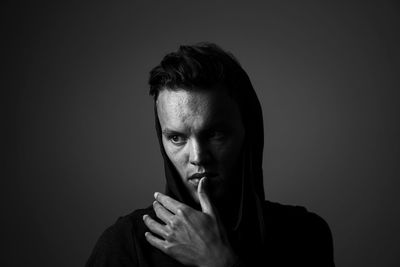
<point x="202" y="133"/>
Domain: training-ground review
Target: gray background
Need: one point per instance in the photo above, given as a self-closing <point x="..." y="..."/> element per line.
<point x="80" y="140"/>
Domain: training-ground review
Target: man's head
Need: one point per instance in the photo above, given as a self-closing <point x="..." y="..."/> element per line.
<point x="203" y="65"/>
<point x="197" y="91"/>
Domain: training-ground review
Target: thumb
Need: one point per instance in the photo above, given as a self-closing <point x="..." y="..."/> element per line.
<point x="205" y="202"/>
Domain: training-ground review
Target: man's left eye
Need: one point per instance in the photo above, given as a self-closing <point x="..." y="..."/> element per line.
<point x="218" y="135"/>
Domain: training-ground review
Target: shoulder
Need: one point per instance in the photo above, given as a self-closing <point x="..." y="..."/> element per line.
<point x="126" y="227"/>
<point x="117" y="244"/>
<point x="303" y="233"/>
<point x="296" y="219"/>
<point x="130" y="222"/>
<point x="289" y="214"/>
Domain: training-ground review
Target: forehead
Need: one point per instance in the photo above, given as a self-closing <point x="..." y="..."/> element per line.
<point x="196" y="108"/>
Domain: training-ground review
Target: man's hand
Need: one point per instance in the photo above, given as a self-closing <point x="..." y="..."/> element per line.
<point x="192" y="237"/>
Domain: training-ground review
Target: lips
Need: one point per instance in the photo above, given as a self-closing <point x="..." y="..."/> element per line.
<point x="194" y="179"/>
<point x="199" y="175"/>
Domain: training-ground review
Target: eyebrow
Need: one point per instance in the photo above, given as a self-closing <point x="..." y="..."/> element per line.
<point x="169" y="132"/>
<point x="211" y="127"/>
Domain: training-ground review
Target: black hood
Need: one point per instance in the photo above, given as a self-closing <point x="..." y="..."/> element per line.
<point x="248" y="224"/>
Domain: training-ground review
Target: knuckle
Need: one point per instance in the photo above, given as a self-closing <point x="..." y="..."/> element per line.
<point x="156" y="205"/>
<point x="169" y="235"/>
<point x="156" y="209"/>
<point x="181" y="211"/>
<point x="150" y="225"/>
<point x="149" y="220"/>
<point x="167" y="247"/>
<point x="173" y="223"/>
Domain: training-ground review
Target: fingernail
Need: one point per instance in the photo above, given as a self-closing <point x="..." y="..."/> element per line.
<point x="201" y="182"/>
<point x="144" y="217"/>
<point x="155" y="195"/>
<point x="155" y="202"/>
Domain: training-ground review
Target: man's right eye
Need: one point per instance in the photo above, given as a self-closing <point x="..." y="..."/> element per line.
<point x="177" y="139"/>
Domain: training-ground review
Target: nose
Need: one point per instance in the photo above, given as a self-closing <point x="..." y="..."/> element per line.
<point x="198" y="154"/>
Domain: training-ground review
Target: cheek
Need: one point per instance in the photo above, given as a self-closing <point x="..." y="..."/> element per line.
<point x="234" y="146"/>
<point x="175" y="155"/>
<point x="228" y="154"/>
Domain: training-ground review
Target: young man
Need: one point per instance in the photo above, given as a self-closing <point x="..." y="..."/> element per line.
<point x="213" y="212"/>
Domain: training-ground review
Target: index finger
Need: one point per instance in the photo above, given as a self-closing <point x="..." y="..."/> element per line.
<point x="168" y="202"/>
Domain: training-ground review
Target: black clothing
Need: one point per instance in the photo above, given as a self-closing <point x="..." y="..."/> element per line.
<point x="294" y="237"/>
<point x="259" y="232"/>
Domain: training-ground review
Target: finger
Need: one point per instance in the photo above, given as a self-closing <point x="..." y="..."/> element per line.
<point x="155" y="242"/>
<point x="169" y="203"/>
<point x="162" y="212"/>
<point x="205" y="201"/>
<point x="207" y="206"/>
<point x="155" y="227"/>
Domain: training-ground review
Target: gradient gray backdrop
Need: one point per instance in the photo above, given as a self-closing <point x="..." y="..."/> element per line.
<point x="83" y="150"/>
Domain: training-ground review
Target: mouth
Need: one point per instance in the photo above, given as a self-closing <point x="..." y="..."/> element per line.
<point x="195" y="178"/>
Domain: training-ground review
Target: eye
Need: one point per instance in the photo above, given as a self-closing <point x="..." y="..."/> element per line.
<point x="176" y="139"/>
<point x="217" y="135"/>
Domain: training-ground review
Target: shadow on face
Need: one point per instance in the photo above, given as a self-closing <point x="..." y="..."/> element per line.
<point x="202" y="134"/>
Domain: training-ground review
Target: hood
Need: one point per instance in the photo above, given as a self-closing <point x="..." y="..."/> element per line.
<point x="248" y="223"/>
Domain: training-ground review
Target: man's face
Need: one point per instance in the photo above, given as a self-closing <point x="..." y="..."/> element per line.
<point x="202" y="134"/>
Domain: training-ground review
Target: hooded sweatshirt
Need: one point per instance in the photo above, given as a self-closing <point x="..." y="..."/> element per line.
<point x="262" y="233"/>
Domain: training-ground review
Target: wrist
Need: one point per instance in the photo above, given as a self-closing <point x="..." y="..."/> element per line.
<point x="223" y="257"/>
<point x="228" y="258"/>
<point x="237" y="263"/>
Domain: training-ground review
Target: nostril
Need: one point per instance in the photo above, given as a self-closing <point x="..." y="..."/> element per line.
<point x="199" y="153"/>
<point x="200" y="158"/>
<point x="195" y="159"/>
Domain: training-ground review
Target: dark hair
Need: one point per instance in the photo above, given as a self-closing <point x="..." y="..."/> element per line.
<point x="202" y="65"/>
